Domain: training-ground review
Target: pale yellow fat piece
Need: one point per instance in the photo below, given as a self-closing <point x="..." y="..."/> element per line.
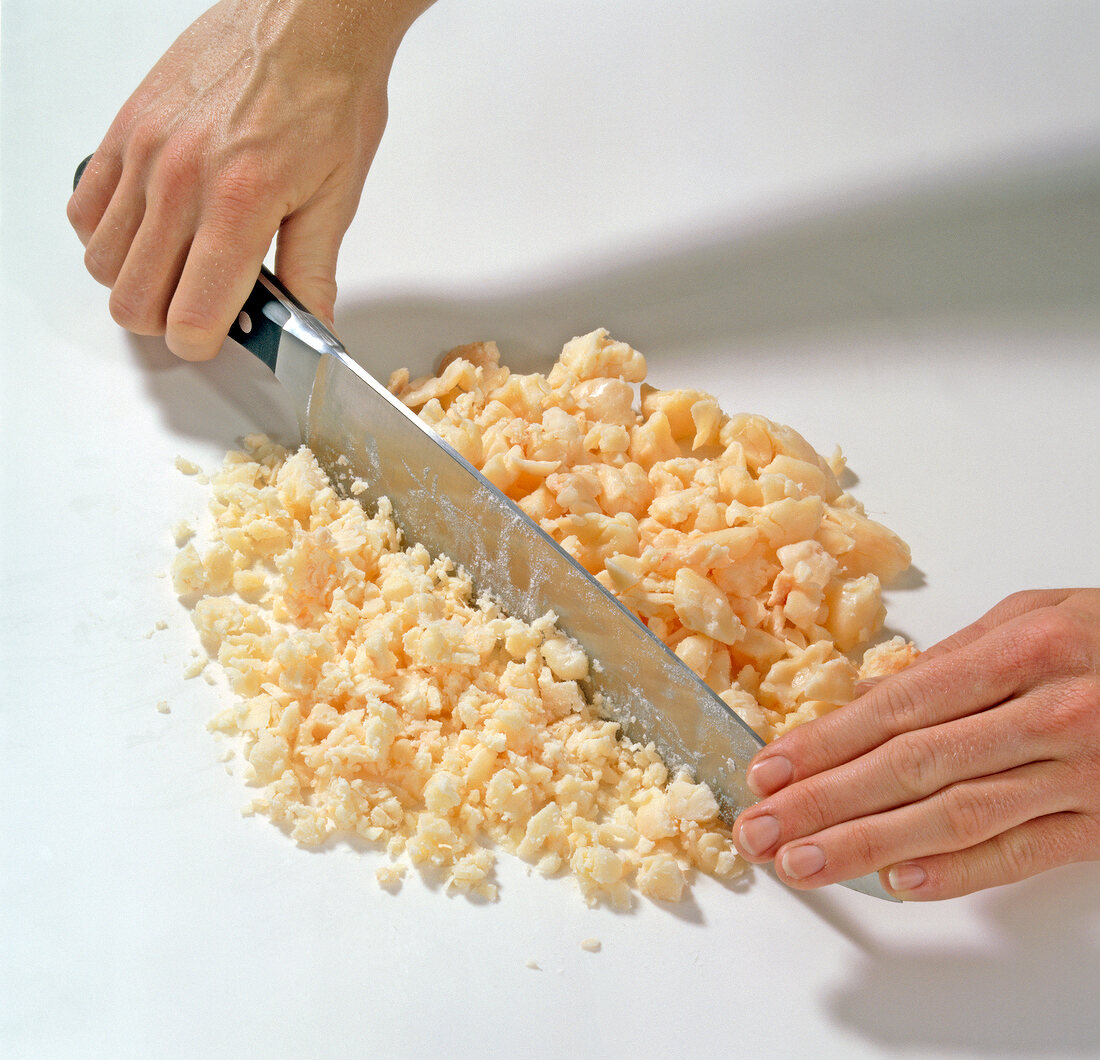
<point x="378" y="697"/>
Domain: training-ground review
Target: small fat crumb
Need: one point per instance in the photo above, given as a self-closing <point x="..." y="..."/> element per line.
<point x="182" y="532"/>
<point x="389" y="876"/>
<point x="591" y="945"/>
<point x="160" y="624"/>
<point x="187" y="467"/>
<point x="534" y="965"/>
<point x="162" y="706"/>
<point x="194" y="668"/>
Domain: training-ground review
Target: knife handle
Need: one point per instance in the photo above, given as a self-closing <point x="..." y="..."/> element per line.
<point x="257" y="327"/>
<point x="80" y="171"/>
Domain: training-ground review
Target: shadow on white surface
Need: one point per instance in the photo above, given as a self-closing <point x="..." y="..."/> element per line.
<point x="1030" y="991"/>
<point x="1014" y="246"/>
<point x="1006" y="247"/>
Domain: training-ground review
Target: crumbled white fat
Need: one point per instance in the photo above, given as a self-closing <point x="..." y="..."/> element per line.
<point x="163" y="707"/>
<point x="729" y="536"/>
<point x="389" y="876"/>
<point x="378" y="697"/>
<point x="887" y="658"/>
<point x="187" y="572"/>
<point x="182" y="532"/>
<point x="194" y="668"/>
<point x="187" y="467"/>
<point x="591" y="945"/>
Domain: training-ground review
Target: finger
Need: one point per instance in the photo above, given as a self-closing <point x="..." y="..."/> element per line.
<point x="956" y="818"/>
<point x="106" y="249"/>
<point x="1013" y="855"/>
<point x="1007" y="609"/>
<point x="149" y="276"/>
<point x="214" y="284"/>
<point x="91" y="197"/>
<point x="906" y="769"/>
<point x="306" y="253"/>
<point x="1004" y="662"/>
<point x="231" y="239"/>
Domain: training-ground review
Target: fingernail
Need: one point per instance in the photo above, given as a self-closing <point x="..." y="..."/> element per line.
<point x="906" y="877"/>
<point x="800" y="862"/>
<point x="769" y="775"/>
<point x="759" y="834"/>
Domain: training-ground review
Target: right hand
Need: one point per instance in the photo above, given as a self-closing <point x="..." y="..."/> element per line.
<point x="261" y="120"/>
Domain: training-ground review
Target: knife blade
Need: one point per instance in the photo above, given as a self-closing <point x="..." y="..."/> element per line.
<point x="358" y="430"/>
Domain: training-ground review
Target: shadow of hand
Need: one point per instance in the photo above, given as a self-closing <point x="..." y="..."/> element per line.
<point x="1031" y="993"/>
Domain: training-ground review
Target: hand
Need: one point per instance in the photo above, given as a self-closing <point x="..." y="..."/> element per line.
<point x="977" y="766"/>
<point x="262" y="118"/>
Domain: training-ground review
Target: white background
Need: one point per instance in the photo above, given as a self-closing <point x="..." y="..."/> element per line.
<point x="879" y="223"/>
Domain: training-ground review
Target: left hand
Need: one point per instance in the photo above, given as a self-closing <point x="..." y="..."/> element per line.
<point x="977" y="766"/>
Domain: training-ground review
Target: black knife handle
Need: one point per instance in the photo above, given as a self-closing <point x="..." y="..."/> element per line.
<point x="80" y="171"/>
<point x="256" y="327"/>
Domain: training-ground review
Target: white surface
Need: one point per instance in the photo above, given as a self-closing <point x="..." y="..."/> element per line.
<point x="875" y="222"/>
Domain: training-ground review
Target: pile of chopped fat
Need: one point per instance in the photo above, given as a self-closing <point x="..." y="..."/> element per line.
<point x="729" y="536"/>
<point x="379" y="698"/>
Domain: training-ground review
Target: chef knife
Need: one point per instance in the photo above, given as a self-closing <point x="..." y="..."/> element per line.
<point x="359" y="431"/>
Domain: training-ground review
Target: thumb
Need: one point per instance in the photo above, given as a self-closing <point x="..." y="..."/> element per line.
<point x="305" y="256"/>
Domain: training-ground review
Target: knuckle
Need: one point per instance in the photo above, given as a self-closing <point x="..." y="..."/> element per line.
<point x="1075" y="709"/>
<point x="135" y="313"/>
<point x="863" y="846"/>
<point x="968" y="812"/>
<point x="900" y="706"/>
<point x="178" y="170"/>
<point x="316" y="285"/>
<point x="1055" y="641"/>
<point x="144" y="141"/>
<point x="243" y="188"/>
<point x="1018" y="852"/>
<point x="1019" y="602"/>
<point x="807" y="807"/>
<point x="915" y="763"/>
